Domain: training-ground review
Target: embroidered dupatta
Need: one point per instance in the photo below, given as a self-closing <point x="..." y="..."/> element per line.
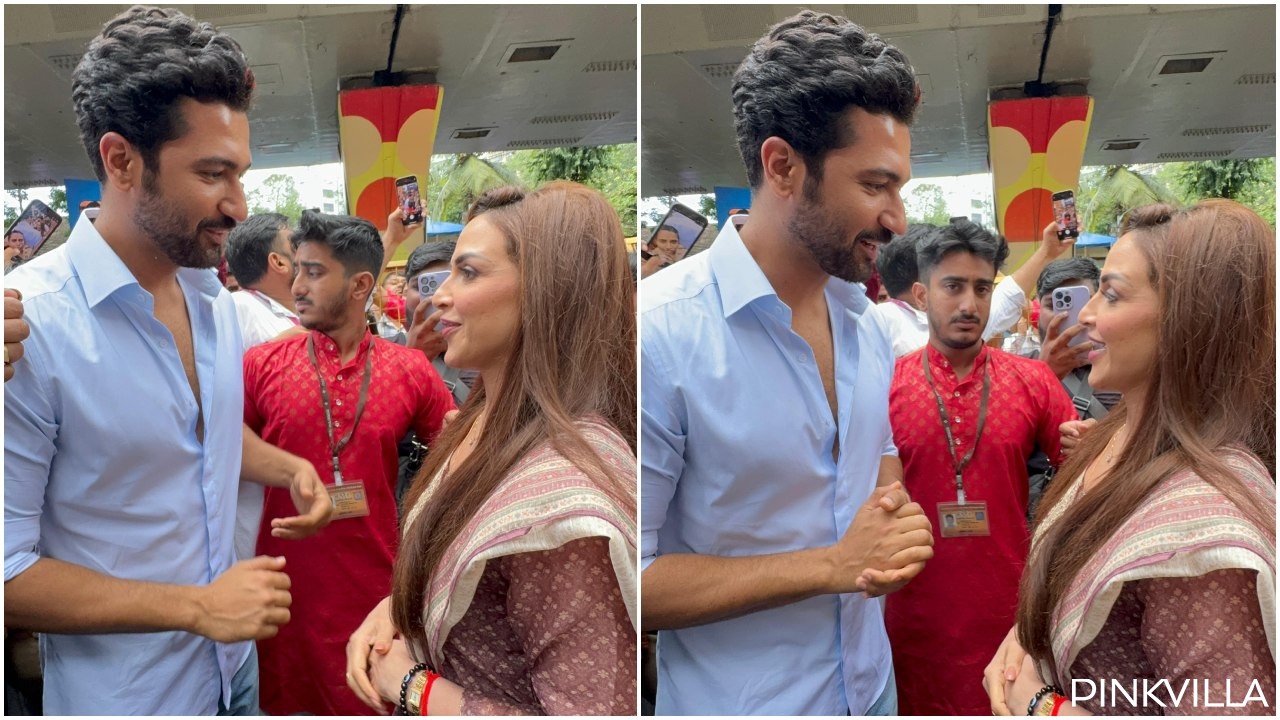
<point x="1185" y="528"/>
<point x="543" y="503"/>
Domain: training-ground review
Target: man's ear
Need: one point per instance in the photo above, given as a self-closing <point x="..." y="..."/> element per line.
<point x="784" y="170"/>
<point x="919" y="292"/>
<point x="363" y="287"/>
<point x="121" y="160"/>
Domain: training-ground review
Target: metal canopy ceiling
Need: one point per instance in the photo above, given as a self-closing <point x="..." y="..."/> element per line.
<point x="583" y="95"/>
<point x="960" y="52"/>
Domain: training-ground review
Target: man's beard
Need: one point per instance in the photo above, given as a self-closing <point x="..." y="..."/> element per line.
<point x="166" y="228"/>
<point x="955" y="344"/>
<point x="325" y="318"/>
<point x="826" y="239"/>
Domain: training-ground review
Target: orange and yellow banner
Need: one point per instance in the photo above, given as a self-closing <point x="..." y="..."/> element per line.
<point x="1036" y="147"/>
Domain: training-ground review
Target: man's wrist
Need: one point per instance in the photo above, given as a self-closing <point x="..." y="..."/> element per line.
<point x="189" y="608"/>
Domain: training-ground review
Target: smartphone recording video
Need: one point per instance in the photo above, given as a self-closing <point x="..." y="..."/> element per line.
<point x="673" y="237"/>
<point x="30" y="231"/>
<point x="1064" y="212"/>
<point x="410" y="199"/>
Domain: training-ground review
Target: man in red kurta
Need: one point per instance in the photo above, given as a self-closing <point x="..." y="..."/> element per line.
<point x="945" y="625"/>
<point x="295" y="391"/>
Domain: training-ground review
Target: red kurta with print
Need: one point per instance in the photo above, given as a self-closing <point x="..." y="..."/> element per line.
<point x="339" y="574"/>
<point x="945" y="625"/>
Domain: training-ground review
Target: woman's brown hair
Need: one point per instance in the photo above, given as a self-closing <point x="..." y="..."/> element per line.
<point x="1213" y="385"/>
<point x="573" y="358"/>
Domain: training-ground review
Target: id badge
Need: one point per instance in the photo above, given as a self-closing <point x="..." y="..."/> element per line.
<point x="967" y="520"/>
<point x="349" y="500"/>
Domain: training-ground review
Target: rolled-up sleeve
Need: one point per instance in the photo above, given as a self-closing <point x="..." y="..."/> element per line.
<point x="30" y="430"/>
<point x="1007" y="301"/>
<point x="662" y="434"/>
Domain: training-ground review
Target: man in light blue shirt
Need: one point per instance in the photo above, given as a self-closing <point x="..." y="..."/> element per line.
<point x="772" y="508"/>
<point x="124" y="435"/>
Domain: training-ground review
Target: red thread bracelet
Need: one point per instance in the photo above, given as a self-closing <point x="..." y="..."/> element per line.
<point x="1058" y="702"/>
<point x="426" y="691"/>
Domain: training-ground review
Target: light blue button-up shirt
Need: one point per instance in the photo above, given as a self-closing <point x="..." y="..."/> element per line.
<point x="103" y="469"/>
<point x="736" y="440"/>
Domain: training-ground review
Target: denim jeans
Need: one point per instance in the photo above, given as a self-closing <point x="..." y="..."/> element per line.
<point x="887" y="703"/>
<point x="244" y="688"/>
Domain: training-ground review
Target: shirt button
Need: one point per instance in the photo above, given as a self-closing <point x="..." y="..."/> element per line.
<point x="339" y="402"/>
<point x="331" y="347"/>
<point x="337" y="423"/>
<point x="339" y="376"/>
<point x="957" y="393"/>
<point x="956" y="420"/>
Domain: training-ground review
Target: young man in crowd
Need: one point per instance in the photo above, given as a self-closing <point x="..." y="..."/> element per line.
<point x="124" y="441"/>
<point x="769" y="518"/>
<point x="966" y="417"/>
<point x="341" y="398"/>
<point x="1068" y="363"/>
<point x="906" y="323"/>
<point x="260" y="255"/>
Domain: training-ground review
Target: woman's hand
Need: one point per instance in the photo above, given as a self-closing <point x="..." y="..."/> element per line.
<point x="387" y="670"/>
<point x="1003" y="670"/>
<point x="374" y="637"/>
<point x="1019" y="691"/>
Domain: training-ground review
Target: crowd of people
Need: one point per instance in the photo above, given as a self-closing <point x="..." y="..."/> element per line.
<point x="204" y="489"/>
<point x="858" y="509"/>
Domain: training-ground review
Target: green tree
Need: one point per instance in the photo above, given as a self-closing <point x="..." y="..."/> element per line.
<point x="278" y="194"/>
<point x="927" y="204"/>
<point x="577" y="164"/>
<point x="1107" y="194"/>
<point x="1250" y="182"/>
<point x="617" y="180"/>
<point x="455" y="181"/>
<point x="14" y="202"/>
<point x="611" y="169"/>
<point x="707" y="207"/>
<point x="58" y="200"/>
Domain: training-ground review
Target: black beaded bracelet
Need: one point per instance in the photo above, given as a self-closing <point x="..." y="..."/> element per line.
<point x="404" y="686"/>
<point x="1035" y="699"/>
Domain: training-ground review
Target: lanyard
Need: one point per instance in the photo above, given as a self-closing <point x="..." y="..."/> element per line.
<point x="328" y="414"/>
<point x="960" y="465"/>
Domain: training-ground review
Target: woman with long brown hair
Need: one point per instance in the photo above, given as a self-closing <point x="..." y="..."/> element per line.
<point x="514" y="588"/>
<point x="1150" y="587"/>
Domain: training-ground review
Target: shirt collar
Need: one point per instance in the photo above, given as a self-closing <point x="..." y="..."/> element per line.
<point x="741" y="281"/>
<point x="102" y="272"/>
<point x="941" y="362"/>
<point x="327" y="349"/>
<point x="275" y="306"/>
<point x="738" y="276"/>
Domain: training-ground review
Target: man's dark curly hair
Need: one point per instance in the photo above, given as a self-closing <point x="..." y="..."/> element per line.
<point x="140" y="66"/>
<point x="803" y="75"/>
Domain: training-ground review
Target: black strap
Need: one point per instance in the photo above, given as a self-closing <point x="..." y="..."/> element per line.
<point x="337" y="447"/>
<point x="946" y="421"/>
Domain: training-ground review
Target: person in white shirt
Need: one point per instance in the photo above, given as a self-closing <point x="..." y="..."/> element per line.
<point x="260" y="255"/>
<point x="906" y="324"/>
